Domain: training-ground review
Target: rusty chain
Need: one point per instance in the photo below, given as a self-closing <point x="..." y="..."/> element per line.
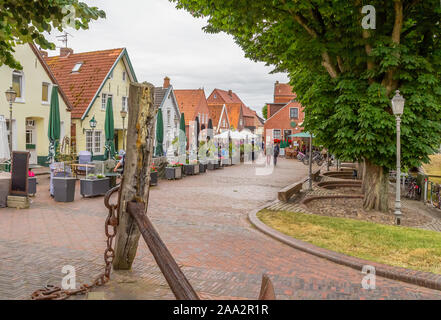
<point x="51" y="292"/>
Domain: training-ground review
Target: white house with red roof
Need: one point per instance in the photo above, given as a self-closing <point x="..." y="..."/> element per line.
<point x="89" y="80"/>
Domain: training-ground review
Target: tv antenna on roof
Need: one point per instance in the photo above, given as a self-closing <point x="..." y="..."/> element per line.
<point x="64" y="38"/>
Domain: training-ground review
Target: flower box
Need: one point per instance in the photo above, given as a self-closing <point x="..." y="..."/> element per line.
<point x="172" y="173"/>
<point x="211" y="166"/>
<point x="202" y="168"/>
<point x="94" y="187"/>
<point x="189" y="169"/>
<point x="32" y="186"/>
<point x="64" y="189"/>
<point x="154" y="178"/>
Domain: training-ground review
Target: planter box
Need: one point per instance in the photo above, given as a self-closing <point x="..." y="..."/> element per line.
<point x="32" y="186"/>
<point x="94" y="187"/>
<point x="189" y="169"/>
<point x="173" y="173"/>
<point x="202" y="168"/>
<point x="217" y="165"/>
<point x="64" y="189"/>
<point x="211" y="166"/>
<point x="154" y="178"/>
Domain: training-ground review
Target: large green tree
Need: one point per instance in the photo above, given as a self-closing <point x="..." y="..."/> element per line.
<point x="26" y="21"/>
<point x="345" y="75"/>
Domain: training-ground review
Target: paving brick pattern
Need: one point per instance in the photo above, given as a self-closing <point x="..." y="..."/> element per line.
<point x="203" y="221"/>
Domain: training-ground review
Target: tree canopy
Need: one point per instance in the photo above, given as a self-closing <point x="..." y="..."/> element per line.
<point x="265" y="112"/>
<point x="26" y="22"/>
<point x="345" y="75"/>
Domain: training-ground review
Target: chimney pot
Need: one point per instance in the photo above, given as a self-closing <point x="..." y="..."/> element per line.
<point x="166" y="82"/>
<point x="64" y="52"/>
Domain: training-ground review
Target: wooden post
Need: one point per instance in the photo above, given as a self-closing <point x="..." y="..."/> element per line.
<point x="136" y="179"/>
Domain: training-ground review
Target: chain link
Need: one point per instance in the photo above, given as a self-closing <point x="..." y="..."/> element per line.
<point x="51" y="292"/>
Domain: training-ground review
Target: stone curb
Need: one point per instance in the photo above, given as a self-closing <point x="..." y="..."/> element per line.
<point x="419" y="278"/>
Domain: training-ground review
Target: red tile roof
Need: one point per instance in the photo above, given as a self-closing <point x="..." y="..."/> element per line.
<point x="224" y="96"/>
<point x="215" y="113"/>
<point x="190" y="101"/>
<point x="81" y="87"/>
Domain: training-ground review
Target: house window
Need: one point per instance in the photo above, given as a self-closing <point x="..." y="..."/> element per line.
<point x="93" y="143"/>
<point x="294" y="113"/>
<point x="125" y="103"/>
<point x="17" y="84"/>
<point x="277" y="134"/>
<point x="241" y="122"/>
<point x="77" y="67"/>
<point x="215" y="96"/>
<point x="124" y="76"/>
<point x="168" y="118"/>
<point x="45" y="92"/>
<point x="29" y="136"/>
<point x="104" y="98"/>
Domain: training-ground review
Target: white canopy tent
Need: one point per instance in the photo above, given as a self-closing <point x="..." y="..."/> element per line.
<point x="4" y="144"/>
<point x="248" y="135"/>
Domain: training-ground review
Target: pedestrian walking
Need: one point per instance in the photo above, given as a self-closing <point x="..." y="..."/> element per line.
<point x="276" y="153"/>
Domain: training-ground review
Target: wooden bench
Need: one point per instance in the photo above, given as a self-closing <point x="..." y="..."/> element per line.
<point x="316" y="174"/>
<point x="286" y="193"/>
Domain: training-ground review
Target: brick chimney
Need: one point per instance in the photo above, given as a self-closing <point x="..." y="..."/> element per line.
<point x="230" y="93"/>
<point x="166" y="82"/>
<point x="64" y="52"/>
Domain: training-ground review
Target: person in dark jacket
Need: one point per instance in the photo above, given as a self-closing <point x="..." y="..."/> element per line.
<point x="276" y="153"/>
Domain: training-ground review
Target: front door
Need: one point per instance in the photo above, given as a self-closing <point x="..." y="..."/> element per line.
<point x="31" y="141"/>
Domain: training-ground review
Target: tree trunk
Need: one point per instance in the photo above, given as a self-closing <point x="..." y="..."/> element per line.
<point x="136" y="179"/>
<point x="375" y="187"/>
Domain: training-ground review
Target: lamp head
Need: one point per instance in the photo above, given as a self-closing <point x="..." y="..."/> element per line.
<point x="123" y="113"/>
<point x="398" y="104"/>
<point x="93" y="122"/>
<point x="10" y="95"/>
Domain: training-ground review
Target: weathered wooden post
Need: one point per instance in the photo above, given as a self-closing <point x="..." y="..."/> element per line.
<point x="135" y="183"/>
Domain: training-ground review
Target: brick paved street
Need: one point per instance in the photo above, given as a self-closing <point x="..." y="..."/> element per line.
<point x="203" y="220"/>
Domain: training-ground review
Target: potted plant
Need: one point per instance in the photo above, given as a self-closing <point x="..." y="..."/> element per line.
<point x="173" y="171"/>
<point x="153" y="176"/>
<point x="191" y="168"/>
<point x="63" y="184"/>
<point x="202" y="167"/>
<point x="94" y="185"/>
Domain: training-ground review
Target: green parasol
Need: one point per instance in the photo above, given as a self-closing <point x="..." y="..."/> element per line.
<point x="109" y="129"/>
<point x="159" y="151"/>
<point x="54" y="124"/>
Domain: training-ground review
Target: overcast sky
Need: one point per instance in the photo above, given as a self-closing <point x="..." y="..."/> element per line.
<point x="164" y="41"/>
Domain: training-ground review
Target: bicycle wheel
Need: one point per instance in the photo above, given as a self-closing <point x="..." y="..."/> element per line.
<point x="305" y="161"/>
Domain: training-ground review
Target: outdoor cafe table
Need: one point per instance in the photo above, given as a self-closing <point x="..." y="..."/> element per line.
<point x="75" y="167"/>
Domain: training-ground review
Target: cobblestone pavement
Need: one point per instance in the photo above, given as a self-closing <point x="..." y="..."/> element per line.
<point x="203" y="221"/>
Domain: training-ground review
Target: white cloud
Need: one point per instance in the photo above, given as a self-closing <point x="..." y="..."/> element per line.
<point x="162" y="40"/>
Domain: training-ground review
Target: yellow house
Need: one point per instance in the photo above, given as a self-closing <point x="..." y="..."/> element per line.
<point x="89" y="80"/>
<point x="30" y="112"/>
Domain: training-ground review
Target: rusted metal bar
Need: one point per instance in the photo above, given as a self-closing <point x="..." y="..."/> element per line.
<point x="176" y="279"/>
<point x="267" y="289"/>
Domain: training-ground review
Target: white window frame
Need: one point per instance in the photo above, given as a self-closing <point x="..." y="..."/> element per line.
<point x="280" y="134"/>
<point x="77" y="67"/>
<point x="124" y="76"/>
<point x="125" y="103"/>
<point x="105" y="96"/>
<point x="96" y="148"/>
<point x="298" y="115"/>
<point x="22" y="85"/>
<point x="49" y="87"/>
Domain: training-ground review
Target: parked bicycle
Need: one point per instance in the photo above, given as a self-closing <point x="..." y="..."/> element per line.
<point x="413" y="190"/>
<point x="317" y="157"/>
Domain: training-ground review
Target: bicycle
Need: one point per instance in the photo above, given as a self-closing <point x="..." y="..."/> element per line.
<point x="413" y="190"/>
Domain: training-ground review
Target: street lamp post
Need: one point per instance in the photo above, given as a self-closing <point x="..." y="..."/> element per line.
<point x="93" y="124"/>
<point x="398" y="109"/>
<point x="10" y="97"/>
<point x="310" y="162"/>
<point x="123" y="116"/>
